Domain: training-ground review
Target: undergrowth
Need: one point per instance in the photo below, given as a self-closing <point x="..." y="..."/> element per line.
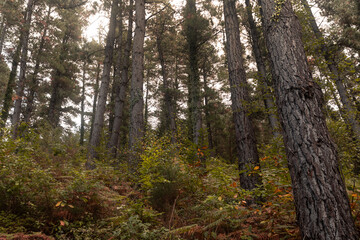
<point x="45" y="191"/>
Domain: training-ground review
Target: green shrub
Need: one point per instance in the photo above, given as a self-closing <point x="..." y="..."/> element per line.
<point x="163" y="173"/>
<point x="136" y="229"/>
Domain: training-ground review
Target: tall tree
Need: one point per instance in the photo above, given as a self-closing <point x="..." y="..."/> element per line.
<point x="137" y="79"/>
<point x="104" y="88"/>
<point x="168" y="101"/>
<point x="248" y="157"/>
<point x="23" y="65"/>
<point x="191" y="31"/>
<point x="321" y="200"/>
<point x="15" y="63"/>
<point x="34" y="78"/>
<point x="263" y="76"/>
<point x="95" y="97"/>
<point x="206" y="104"/>
<point x="122" y="68"/>
<point x="64" y="65"/>
<point x="10" y="85"/>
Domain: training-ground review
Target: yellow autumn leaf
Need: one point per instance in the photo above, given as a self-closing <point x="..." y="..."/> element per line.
<point x="256" y="168"/>
<point x="220" y="198"/>
<point x="58" y="204"/>
<point x="354" y="195"/>
<point x="236" y="195"/>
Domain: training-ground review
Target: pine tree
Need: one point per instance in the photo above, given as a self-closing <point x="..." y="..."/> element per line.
<point x="244" y="132"/>
<point x="321" y="201"/>
<point x="137" y="81"/>
<point x="122" y="80"/>
<point x="104" y="88"/>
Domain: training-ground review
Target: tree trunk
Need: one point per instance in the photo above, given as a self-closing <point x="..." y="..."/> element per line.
<point x="146" y="108"/>
<point x="268" y="97"/>
<point x="34" y="81"/>
<point x="104" y="89"/>
<point x="170" y="124"/>
<point x="3" y="31"/>
<point x="335" y="74"/>
<point x="10" y="86"/>
<point x="321" y="200"/>
<point x="137" y="80"/>
<point x="23" y="64"/>
<point x="191" y="33"/>
<point x="82" y="113"/>
<point x="206" y="109"/>
<point x="111" y="105"/>
<point x="57" y="84"/>
<point x="125" y="77"/>
<point x="121" y="83"/>
<point x="248" y="157"/>
<point x="96" y="93"/>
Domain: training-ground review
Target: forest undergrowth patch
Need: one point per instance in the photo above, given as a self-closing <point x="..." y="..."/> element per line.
<point x="47" y="194"/>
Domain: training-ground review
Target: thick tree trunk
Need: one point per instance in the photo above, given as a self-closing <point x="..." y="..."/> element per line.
<point x="34" y="81"/>
<point x="335" y="74"/>
<point x="191" y="33"/>
<point x="244" y="132"/>
<point x="268" y="98"/>
<point x="119" y="91"/>
<point x="125" y="77"/>
<point x="321" y="200"/>
<point x="137" y="80"/>
<point x="104" y="89"/>
<point x="23" y="65"/>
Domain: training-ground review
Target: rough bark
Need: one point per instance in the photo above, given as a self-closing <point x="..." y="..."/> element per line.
<point x="137" y="79"/>
<point x="259" y="58"/>
<point x="117" y="87"/>
<point x="125" y="77"/>
<point x="34" y="79"/>
<point x="321" y="201"/>
<point x="23" y="65"/>
<point x="191" y="34"/>
<point x="104" y="89"/>
<point x="248" y="157"/>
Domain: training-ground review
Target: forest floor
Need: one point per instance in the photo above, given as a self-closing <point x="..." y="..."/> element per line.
<point x="46" y="193"/>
